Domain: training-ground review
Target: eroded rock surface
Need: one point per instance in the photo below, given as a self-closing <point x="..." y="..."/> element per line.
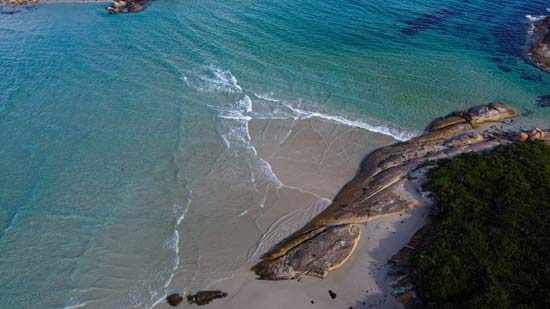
<point x="540" y="43"/>
<point x="328" y="240"/>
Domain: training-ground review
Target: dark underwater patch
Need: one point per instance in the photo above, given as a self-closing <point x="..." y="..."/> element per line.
<point x="543" y="101"/>
<point x="497" y="60"/>
<point x="527" y="113"/>
<point x="503" y="68"/>
<point x="429" y="20"/>
<point x="532" y="77"/>
<point x="483" y="41"/>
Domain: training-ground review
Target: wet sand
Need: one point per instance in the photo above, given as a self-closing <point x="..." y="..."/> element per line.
<point x="311" y="160"/>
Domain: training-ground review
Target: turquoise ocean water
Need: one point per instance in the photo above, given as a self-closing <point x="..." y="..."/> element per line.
<point x="111" y="126"/>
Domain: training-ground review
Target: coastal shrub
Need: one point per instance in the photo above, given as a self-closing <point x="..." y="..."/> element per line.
<point x="491" y="245"/>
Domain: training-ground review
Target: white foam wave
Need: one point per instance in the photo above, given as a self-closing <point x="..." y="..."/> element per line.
<point x="397" y="134"/>
<point x="296" y="113"/>
<point x="238" y="111"/>
<point x="76" y="304"/>
<point x="267" y="96"/>
<point x="172" y="244"/>
<point x="246" y="104"/>
<point x="237" y="134"/>
<point x="267" y="170"/>
<point x="179" y="211"/>
<point x="212" y="80"/>
<point x="535" y="18"/>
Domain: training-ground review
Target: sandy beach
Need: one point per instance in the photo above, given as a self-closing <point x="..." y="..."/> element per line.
<point x="311" y="160"/>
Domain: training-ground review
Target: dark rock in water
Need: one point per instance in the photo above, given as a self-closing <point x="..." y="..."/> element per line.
<point x="544" y="101"/>
<point x="135" y="8"/>
<point x="332" y="294"/>
<point x="540" y="43"/>
<point x="122" y="6"/>
<point x="174" y="299"/>
<point x="205" y="297"/>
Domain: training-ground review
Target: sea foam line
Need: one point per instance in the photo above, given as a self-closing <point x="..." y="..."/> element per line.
<point x="213" y="80"/>
<point x="397" y="134"/>
<point x="533" y="19"/>
<point x="172" y="244"/>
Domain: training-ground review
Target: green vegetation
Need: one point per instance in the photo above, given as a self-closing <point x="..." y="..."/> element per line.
<point x="491" y="247"/>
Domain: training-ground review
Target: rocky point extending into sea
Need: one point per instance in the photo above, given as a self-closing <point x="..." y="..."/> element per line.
<point x="388" y="183"/>
<point x="540" y="43"/>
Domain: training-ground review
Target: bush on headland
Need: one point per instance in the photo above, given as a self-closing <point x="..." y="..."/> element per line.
<point x="491" y="242"/>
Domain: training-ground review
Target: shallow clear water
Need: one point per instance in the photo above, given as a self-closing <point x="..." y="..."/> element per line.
<point x="115" y="128"/>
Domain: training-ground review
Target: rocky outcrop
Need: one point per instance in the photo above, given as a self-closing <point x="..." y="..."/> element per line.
<point x="118" y="6"/>
<point x="329" y="239"/>
<point x="18" y="2"/>
<point x="539" y="51"/>
<point x="121" y="6"/>
<point x="205" y="297"/>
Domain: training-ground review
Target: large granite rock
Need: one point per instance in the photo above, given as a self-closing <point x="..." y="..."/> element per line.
<point x="540" y="43"/>
<point x="328" y="240"/>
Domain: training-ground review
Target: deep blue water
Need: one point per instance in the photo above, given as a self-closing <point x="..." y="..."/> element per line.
<point x="109" y="125"/>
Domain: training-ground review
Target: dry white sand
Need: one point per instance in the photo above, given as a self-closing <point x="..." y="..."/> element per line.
<point x="312" y="158"/>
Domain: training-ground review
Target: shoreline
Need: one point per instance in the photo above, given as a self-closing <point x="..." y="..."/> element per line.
<point x="321" y="246"/>
<point x="291" y="148"/>
<point x="313" y="158"/>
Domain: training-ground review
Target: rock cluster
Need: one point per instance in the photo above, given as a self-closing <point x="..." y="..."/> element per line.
<point x="382" y="187"/>
<point x="18" y="2"/>
<point x="121" y="6"/>
<point x="540" y="43"/>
